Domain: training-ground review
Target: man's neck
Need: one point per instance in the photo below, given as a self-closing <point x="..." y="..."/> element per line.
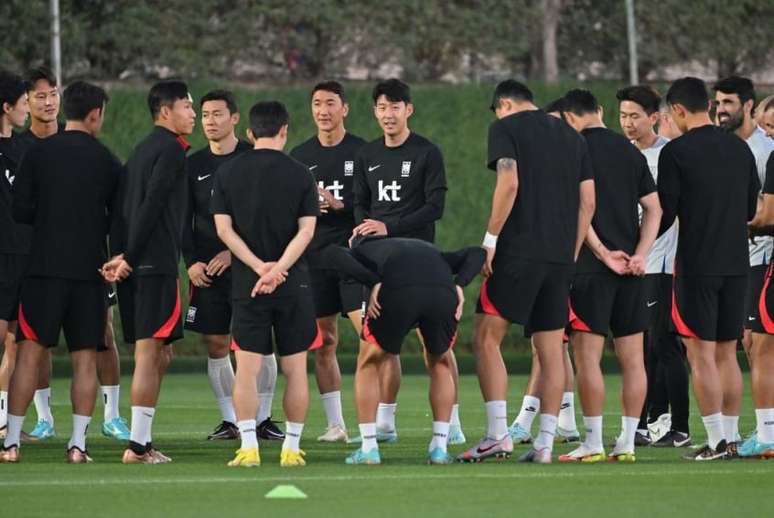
<point x="44" y="129"/>
<point x="268" y="143"/>
<point x="647" y="140"/>
<point x="331" y="138"/>
<point x="166" y="125"/>
<point x="225" y="146"/>
<point x="77" y="126"/>
<point x="697" y="120"/>
<point x="593" y="122"/>
<point x="747" y="128"/>
<point x="6" y="128"/>
<point x="397" y="140"/>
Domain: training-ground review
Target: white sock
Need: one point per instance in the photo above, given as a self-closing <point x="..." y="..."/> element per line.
<point x="454" y="420"/>
<point x="593" y="426"/>
<point x="625" y="442"/>
<point x="42" y="401"/>
<point x="530" y="406"/>
<point x="765" y="419"/>
<point x="440" y="436"/>
<point x="3" y="408"/>
<point x="545" y="438"/>
<point x="292" y="436"/>
<point x="110" y="397"/>
<point x="731" y="427"/>
<point x="567" y="412"/>
<point x="221" y="375"/>
<point x="80" y="427"/>
<point x="368" y="434"/>
<point x="714" y="425"/>
<point x="267" y="380"/>
<point x="385" y="416"/>
<point x="332" y="404"/>
<point x="142" y="422"/>
<point x="247" y="433"/>
<point x="496" y="419"/>
<point x="15" y="423"/>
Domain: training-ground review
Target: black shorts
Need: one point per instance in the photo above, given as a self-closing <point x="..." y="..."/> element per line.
<point x="111" y="294"/>
<point x="529" y="293"/>
<point x="49" y="305"/>
<point x="11" y="273"/>
<point x="765" y="322"/>
<point x="430" y="308"/>
<point x="209" y="309"/>
<point x="709" y="307"/>
<point x="333" y="296"/>
<point x="752" y="299"/>
<point x="290" y="320"/>
<point x="150" y="308"/>
<point x="603" y="301"/>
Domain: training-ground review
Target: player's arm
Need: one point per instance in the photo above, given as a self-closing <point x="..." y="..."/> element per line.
<point x="343" y="261"/>
<point x="465" y="264"/>
<point x="435" y="198"/>
<point x="294" y="250"/>
<point x="167" y="170"/>
<point x="504" y="196"/>
<point x="225" y="229"/>
<point x="668" y="188"/>
<point x="651" y="219"/>
<point x="588" y="198"/>
<point x="24" y="203"/>
<point x="763" y="222"/>
<point x="615" y="260"/>
<point x="362" y="199"/>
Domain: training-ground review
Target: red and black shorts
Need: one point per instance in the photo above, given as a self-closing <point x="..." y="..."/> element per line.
<point x="533" y="294"/>
<point x="209" y="309"/>
<point x="286" y="321"/>
<point x="150" y="308"/>
<point x="430" y="308"/>
<point x="11" y="273"/>
<point x="50" y="305"/>
<point x="709" y="307"/>
<point x="604" y="301"/>
<point x="752" y="300"/>
<point x="333" y="296"/>
<point x="765" y="306"/>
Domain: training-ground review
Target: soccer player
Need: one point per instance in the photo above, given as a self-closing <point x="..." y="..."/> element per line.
<point x="66" y="188"/>
<point x="542" y="206"/>
<point x="147" y="242"/>
<point x="735" y="98"/>
<point x="400" y="191"/>
<point x="608" y="291"/>
<point x="330" y="156"/>
<point x="412" y="283"/>
<point x="761" y="443"/>
<point x="209" y="268"/>
<point x="14" y="239"/>
<point x="708" y="179"/>
<point x="265" y="206"/>
<point x="664" y="358"/>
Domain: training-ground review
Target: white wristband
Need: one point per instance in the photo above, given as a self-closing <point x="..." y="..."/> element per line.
<point x="490" y="241"/>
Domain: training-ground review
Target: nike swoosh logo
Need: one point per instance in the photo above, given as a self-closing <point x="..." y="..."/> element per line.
<point x="484" y="450"/>
<point x="651" y="304"/>
<point x="111" y="294"/>
<point x="374" y="168"/>
<point x="200" y="178"/>
<point x="311" y="167"/>
<point x="750" y="318"/>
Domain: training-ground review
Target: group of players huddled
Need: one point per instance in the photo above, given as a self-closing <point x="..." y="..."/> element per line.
<point x="660" y="237"/>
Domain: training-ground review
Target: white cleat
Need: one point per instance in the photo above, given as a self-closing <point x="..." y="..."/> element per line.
<point x="336" y="433"/>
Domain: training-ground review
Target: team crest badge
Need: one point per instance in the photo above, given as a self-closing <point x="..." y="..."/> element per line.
<point x="405" y="170"/>
<point x="349" y="168"/>
<point x="191" y="316"/>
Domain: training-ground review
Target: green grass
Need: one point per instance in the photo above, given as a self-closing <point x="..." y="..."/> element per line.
<point x="198" y="483"/>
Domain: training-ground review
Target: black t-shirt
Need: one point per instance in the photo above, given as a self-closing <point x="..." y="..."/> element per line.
<point x="265" y="192"/>
<point x="552" y="161"/>
<point x="200" y="240"/>
<point x="67" y="189"/>
<point x="14" y="237"/>
<point x="399" y="262"/>
<point x="27" y="139"/>
<point x="154" y="200"/>
<point x="621" y="178"/>
<point x="404" y="187"/>
<point x="708" y="179"/>
<point x="768" y="185"/>
<point x="334" y="169"/>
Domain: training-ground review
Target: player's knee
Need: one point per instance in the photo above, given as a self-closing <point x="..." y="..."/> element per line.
<point x="217" y="346"/>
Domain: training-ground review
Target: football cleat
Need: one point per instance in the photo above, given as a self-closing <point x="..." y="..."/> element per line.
<point x="565" y="436"/>
<point x="292" y="458"/>
<point x="159" y="457"/>
<point x="583" y="454"/>
<point x="388" y="437"/>
<point x="707" y="453"/>
<point x="439" y="457"/>
<point x="488" y="448"/>
<point x="673" y="439"/>
<point x="370" y="457"/>
<point x="43" y="430"/>
<point x="660" y="427"/>
<point x="752" y="448"/>
<point x="10" y="455"/>
<point x="131" y="457"/>
<point x="541" y="456"/>
<point x="269" y="431"/>
<point x="519" y="435"/>
<point x="75" y="455"/>
<point x="642" y="439"/>
<point x="336" y="433"/>
<point x="455" y="435"/>
<point x="622" y="457"/>
<point x="225" y="431"/>
<point x="247" y="458"/>
<point x="116" y="429"/>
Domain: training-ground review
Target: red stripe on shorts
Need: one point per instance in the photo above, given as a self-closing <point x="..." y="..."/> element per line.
<point x="766" y="320"/>
<point x="576" y="323"/>
<point x="682" y="327"/>
<point x="29" y="333"/>
<point x="235" y="345"/>
<point x="166" y="329"/>
<point x="368" y="336"/>
<point x="318" y="340"/>
<point x="486" y="304"/>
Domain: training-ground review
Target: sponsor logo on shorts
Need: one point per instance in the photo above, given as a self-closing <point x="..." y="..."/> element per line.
<point x="191" y="316"/>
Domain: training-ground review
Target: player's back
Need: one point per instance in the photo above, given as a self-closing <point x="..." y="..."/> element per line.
<point x="406" y="261"/>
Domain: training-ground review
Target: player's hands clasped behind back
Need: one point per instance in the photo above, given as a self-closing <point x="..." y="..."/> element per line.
<point x="219" y="264"/>
<point x="115" y="270"/>
<point x="270" y="276"/>
<point x="624" y="264"/>
<point x="197" y="274"/>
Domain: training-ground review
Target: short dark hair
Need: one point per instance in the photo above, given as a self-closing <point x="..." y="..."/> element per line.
<point x="580" y="102"/>
<point x="557" y="105"/>
<point x="643" y="95"/>
<point x="394" y="90"/>
<point x="267" y="118"/>
<point x="12" y="87"/>
<point x="40" y="74"/>
<point x="510" y="89"/>
<point x="80" y="98"/>
<point x="226" y="96"/>
<point x="691" y="92"/>
<point x="741" y="86"/>
<point x="165" y="93"/>
<point x="333" y="87"/>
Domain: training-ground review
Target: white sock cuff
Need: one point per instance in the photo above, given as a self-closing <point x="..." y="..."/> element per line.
<point x="336" y="394"/>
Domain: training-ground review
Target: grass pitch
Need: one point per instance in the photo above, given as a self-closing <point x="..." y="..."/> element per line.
<point x="198" y="483"/>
